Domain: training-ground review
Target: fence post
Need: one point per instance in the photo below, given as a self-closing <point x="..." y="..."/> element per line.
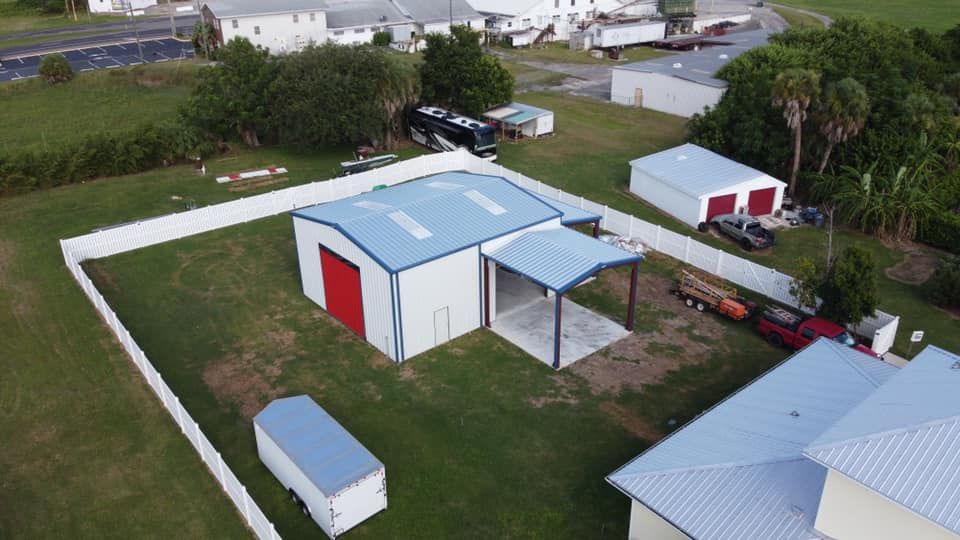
<point x="581" y="202"/>
<point x="163" y="395"/>
<point x="220" y="469"/>
<point x="686" y="251"/>
<point x="273" y="532"/>
<point x="176" y="400"/>
<point x="605" y="210"/>
<point x="246" y="505"/>
<point x="719" y="262"/>
<point x="196" y="429"/>
<point x="656" y="244"/>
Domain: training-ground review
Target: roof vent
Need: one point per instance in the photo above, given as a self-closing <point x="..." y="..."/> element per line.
<point x="484" y="202"/>
<point x="415" y="229"/>
<point x="723" y="56"/>
<point x="681" y="157"/>
<point x="677" y="65"/>
<point x="956" y="365"/>
<point x="794" y="413"/>
<point x="796" y="511"/>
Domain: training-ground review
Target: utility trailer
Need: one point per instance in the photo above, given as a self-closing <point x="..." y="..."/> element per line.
<point x="701" y="293"/>
<point x="332" y="478"/>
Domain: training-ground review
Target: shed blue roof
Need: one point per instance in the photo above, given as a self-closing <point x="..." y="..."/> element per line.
<point x="738" y="470"/>
<point x="559" y="259"/>
<point x="524" y="113"/>
<point x="415" y="222"/>
<point x="571" y="214"/>
<point x="698" y="172"/>
<point x="326" y="452"/>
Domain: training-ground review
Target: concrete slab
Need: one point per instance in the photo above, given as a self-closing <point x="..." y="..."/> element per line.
<point x="514" y="292"/>
<point x="583" y="332"/>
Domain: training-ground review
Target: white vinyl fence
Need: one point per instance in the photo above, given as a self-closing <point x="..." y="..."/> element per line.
<point x="131" y="236"/>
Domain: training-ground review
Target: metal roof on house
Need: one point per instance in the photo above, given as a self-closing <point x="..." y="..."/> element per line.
<point x="559" y="259"/>
<point x="698" y="172"/>
<point x="571" y="214"/>
<point x="737" y="470"/>
<point x="415" y="222"/>
<point x="316" y="443"/>
<point x="516" y="113"/>
<point x="504" y="7"/>
<point x="701" y="66"/>
<point x="431" y="11"/>
<point x="356" y="13"/>
<point x="903" y="441"/>
<point x="245" y="8"/>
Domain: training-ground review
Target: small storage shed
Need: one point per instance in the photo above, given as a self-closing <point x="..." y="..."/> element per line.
<point x="521" y="120"/>
<point x="336" y="481"/>
<point x="694" y="184"/>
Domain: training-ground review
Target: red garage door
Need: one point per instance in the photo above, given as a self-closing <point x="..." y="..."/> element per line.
<point x="760" y="202"/>
<point x="341" y="287"/>
<point x="722" y="204"/>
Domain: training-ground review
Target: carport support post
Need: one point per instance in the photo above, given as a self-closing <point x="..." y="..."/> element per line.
<point x="486" y="291"/>
<point x="632" y="308"/>
<point x="596" y="229"/>
<point x="556" y="331"/>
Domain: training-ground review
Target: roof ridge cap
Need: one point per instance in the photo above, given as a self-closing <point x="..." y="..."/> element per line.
<point x="881" y="434"/>
<point x="717" y="466"/>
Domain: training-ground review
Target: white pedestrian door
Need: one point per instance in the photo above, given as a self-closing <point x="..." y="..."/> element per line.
<point x="441" y="325"/>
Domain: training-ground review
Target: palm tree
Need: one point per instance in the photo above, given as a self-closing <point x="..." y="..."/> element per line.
<point x="794" y="90"/>
<point x="399" y="88"/>
<point x="842" y="114"/>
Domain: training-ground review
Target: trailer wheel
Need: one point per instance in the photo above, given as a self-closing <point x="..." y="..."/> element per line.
<point x="701" y="307"/>
<point x="293" y="496"/>
<point x="775" y="339"/>
<point x="688" y="302"/>
<point x="304" y="509"/>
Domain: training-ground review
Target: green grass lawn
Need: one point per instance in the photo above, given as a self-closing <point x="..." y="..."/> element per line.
<point x="528" y="77"/>
<point x="798" y="19"/>
<point x="936" y="15"/>
<point x="35" y="116"/>
<point x="560" y="52"/>
<point x="14" y="20"/>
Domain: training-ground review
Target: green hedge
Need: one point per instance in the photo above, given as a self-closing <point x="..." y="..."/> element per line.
<point x="100" y="155"/>
<point x="943" y="232"/>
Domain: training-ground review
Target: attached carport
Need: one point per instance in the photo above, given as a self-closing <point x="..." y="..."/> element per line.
<point x="558" y="260"/>
<point x="572" y="216"/>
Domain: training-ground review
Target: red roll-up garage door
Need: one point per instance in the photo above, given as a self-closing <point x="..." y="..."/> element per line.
<point x="760" y="202"/>
<point x="341" y="287"/>
<point x="722" y="204"/>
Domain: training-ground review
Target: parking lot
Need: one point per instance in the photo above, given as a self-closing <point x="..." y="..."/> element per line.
<point x="105" y="57"/>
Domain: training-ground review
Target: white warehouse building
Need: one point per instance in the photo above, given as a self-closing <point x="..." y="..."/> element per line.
<point x="681" y="84"/>
<point x="412" y="266"/>
<point x="694" y="184"/>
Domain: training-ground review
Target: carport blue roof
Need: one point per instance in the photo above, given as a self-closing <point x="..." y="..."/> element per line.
<point x="415" y="222"/>
<point x="571" y="214"/>
<point x="559" y="259"/>
<point x="316" y="443"/>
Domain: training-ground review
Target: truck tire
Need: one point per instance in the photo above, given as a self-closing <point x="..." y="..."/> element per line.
<point x="703" y="226"/>
<point x="688" y="301"/>
<point x="775" y="339"/>
<point x="701" y="307"/>
<point x="745" y="244"/>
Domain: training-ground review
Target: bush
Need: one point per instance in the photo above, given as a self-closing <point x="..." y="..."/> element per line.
<point x="54" y="69"/>
<point x="943" y="232"/>
<point x="381" y="39"/>
<point x="943" y="287"/>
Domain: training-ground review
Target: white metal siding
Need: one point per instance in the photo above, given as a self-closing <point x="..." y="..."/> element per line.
<point x="290" y="476"/>
<point x="646" y="525"/>
<point x="674" y="202"/>
<point x="615" y="35"/>
<point x="374" y="280"/>
<point x="663" y="93"/>
<point x="453" y="282"/>
<point x="358" y="502"/>
<point x="277" y="32"/>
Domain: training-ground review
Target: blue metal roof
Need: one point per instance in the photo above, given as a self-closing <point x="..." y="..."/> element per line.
<point x="559" y="259"/>
<point x="738" y="471"/>
<point x="415" y="222"/>
<point x="524" y="113"/>
<point x="903" y="440"/>
<point x="326" y="453"/>
<point x="697" y="171"/>
<point x="571" y="214"/>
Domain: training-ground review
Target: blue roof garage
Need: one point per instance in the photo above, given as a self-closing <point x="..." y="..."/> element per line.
<point x="412" y="266"/>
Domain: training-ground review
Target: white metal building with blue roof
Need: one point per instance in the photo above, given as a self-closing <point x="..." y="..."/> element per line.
<point x="831" y="443"/>
<point x="694" y="184"/>
<point x="412" y="266"/>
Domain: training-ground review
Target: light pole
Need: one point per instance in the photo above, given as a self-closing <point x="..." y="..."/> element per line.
<point x="136" y="32"/>
<point x="451" y="16"/>
<point x="173" y="25"/>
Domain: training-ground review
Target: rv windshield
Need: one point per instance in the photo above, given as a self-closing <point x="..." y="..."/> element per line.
<point x="486" y="138"/>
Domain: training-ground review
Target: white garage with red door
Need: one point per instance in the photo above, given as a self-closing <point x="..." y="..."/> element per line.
<point x="694" y="184"/>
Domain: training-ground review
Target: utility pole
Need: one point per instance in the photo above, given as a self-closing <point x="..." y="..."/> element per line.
<point x="451" y="17"/>
<point x="173" y="25"/>
<point x="203" y="30"/>
<point x="136" y="31"/>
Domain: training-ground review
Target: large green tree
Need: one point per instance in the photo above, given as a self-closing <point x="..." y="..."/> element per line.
<point x="232" y="96"/>
<point x="794" y="90"/>
<point x="849" y="288"/>
<point x="841" y="114"/>
<point x="456" y="74"/>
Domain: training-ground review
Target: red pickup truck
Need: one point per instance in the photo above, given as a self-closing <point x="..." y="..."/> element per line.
<point x="781" y="327"/>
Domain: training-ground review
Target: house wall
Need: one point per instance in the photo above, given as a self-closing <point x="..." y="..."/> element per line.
<point x="451" y="282"/>
<point x="662" y="93"/>
<point x="672" y="201"/>
<point x="276" y="32"/>
<point x="378" y="311"/>
<point x="556" y="12"/>
<point x="647" y="525"/>
<point x="849" y="510"/>
<point x="443" y="27"/>
<point x="743" y="194"/>
<point x="353" y="35"/>
<point x="116" y="6"/>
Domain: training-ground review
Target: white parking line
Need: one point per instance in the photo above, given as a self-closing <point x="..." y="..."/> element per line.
<point x="87" y="69"/>
<point x="114" y="67"/>
<point x="163" y="60"/>
<point x="104" y="51"/>
<point x="135" y="63"/>
<point x="119" y="63"/>
<point x="121" y="46"/>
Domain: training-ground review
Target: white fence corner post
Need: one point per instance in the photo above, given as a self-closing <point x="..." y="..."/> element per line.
<point x="196" y="429"/>
<point x="719" y="263"/>
<point x="686" y="250"/>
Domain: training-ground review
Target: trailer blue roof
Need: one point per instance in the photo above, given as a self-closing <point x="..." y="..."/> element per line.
<point x="316" y="443"/>
<point x="559" y="259"/>
<point x="409" y="224"/>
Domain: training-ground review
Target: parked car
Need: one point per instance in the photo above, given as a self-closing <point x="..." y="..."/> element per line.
<point x="745" y="229"/>
<point x="783" y="328"/>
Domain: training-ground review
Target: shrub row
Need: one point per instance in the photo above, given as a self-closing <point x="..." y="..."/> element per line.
<point x="942" y="231"/>
<point x="103" y="154"/>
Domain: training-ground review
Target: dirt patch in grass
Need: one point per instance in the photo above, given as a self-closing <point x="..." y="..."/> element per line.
<point x="562" y="392"/>
<point x="915" y="268"/>
<point x="952" y="312"/>
<point x="631" y="421"/>
<point x="236" y="381"/>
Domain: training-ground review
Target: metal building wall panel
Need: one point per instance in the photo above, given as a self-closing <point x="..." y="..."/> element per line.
<point x="672" y="201"/>
<point x="374" y="280"/>
<point x="451" y="282"/>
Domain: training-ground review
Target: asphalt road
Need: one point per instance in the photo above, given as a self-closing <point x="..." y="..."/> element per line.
<point x="105" y="57"/>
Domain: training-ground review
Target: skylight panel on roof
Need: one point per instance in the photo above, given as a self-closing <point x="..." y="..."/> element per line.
<point x="450" y="186"/>
<point x="484" y="202"/>
<point x="371" y="205"/>
<point x="415" y="229"/>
